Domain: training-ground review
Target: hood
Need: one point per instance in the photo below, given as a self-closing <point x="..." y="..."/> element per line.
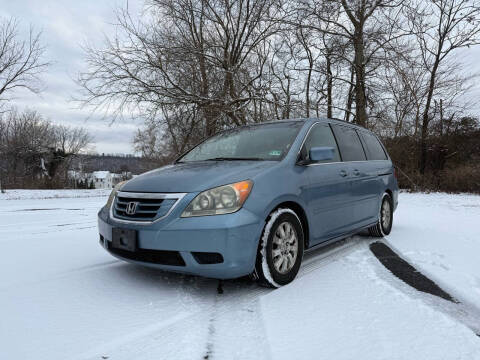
<point x="196" y="176"/>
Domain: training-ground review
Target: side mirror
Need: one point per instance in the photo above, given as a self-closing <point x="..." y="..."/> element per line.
<point x="321" y="153"/>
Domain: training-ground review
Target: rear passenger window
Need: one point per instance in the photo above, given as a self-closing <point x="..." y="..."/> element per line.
<point x="374" y="149"/>
<point x="350" y="146"/>
<point x="319" y="136"/>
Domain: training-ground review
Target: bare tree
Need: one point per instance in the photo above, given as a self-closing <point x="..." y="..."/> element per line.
<point x="162" y="141"/>
<point x="67" y="142"/>
<point x="197" y="53"/>
<point x="24" y="138"/>
<point x="441" y="27"/>
<point x="32" y="148"/>
<point x="21" y="60"/>
<point x="365" y="27"/>
<point x="70" y="141"/>
<point x="286" y="86"/>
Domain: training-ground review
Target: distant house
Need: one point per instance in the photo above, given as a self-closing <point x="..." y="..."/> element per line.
<point x="102" y="179"/>
<point x="99" y="179"/>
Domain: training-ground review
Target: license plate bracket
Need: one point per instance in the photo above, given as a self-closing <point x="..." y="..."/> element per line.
<point x="124" y="239"/>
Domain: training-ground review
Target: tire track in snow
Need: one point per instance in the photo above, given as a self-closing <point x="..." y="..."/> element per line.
<point x="322" y="256"/>
<point x="436" y="297"/>
<point x="211" y="330"/>
<point x="133" y="336"/>
<point x="46" y="224"/>
<point x="313" y="260"/>
<point x="406" y="272"/>
<point x="231" y="314"/>
<point x="57" y="230"/>
<point x="65" y="229"/>
<point x="64" y="274"/>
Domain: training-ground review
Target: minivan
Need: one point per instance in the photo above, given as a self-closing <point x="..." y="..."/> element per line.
<point x="252" y="200"/>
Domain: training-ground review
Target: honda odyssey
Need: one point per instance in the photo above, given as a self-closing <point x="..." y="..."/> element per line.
<point x="251" y="200"/>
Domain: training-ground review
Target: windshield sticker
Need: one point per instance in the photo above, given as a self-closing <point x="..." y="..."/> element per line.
<point x="275" y="153"/>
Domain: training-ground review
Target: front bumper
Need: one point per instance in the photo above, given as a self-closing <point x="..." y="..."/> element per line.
<point x="234" y="236"/>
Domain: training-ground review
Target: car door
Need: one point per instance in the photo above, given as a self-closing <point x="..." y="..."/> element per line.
<point x="364" y="182"/>
<point x="327" y="192"/>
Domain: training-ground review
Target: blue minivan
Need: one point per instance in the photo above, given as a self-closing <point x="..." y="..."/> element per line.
<point x="251" y="200"/>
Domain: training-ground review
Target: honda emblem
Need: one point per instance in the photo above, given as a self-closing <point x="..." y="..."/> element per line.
<point x="131" y="208"/>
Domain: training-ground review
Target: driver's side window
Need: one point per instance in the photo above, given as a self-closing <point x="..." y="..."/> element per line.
<point x="320" y="136"/>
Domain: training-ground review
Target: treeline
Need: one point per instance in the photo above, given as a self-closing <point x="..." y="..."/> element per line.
<point x="36" y="153"/>
<point x="114" y="163"/>
<point x="453" y="153"/>
<point x="193" y="68"/>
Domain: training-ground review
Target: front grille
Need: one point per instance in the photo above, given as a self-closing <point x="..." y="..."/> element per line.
<point x="161" y="257"/>
<point x="148" y="207"/>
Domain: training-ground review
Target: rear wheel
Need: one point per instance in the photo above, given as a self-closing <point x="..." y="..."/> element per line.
<point x="280" y="251"/>
<point x="385" y="218"/>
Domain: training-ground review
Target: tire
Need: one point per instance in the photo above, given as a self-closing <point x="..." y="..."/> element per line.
<point x="277" y="263"/>
<point x="385" y="218"/>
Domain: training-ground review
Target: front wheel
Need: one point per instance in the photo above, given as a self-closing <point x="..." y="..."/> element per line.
<point x="280" y="250"/>
<point x="385" y="218"/>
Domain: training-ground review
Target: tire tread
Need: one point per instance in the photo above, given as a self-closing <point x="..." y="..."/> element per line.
<point x="258" y="273"/>
<point x="376" y="230"/>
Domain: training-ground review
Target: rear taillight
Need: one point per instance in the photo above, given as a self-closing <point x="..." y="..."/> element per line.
<point x="394" y="172"/>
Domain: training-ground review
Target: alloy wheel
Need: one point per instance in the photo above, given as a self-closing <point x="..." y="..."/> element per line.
<point x="285" y="248"/>
<point x="385" y="214"/>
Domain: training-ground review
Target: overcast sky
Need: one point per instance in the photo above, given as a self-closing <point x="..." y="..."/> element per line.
<point x="66" y="24"/>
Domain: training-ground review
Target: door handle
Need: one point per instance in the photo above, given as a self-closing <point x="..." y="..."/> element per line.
<point x="343" y="173"/>
<point x="356" y="172"/>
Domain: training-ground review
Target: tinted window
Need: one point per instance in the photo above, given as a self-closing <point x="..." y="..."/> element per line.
<point x="320" y="135"/>
<point x="349" y="143"/>
<point x="373" y="147"/>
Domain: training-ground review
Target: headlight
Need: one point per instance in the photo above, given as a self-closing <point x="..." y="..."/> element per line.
<point x="224" y="199"/>
<point x="113" y="193"/>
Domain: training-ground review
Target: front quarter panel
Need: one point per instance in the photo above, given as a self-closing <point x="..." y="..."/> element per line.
<point x="283" y="183"/>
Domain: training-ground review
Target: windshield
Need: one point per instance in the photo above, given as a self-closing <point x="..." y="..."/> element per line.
<point x="258" y="142"/>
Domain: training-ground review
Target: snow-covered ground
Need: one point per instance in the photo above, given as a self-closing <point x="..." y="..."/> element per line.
<point x="440" y="233"/>
<point x="63" y="297"/>
<point x="52" y="194"/>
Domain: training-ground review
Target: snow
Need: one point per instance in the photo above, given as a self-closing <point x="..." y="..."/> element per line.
<point x="440" y="233"/>
<point x="348" y="311"/>
<point x="52" y="194"/>
<point x="63" y="297"/>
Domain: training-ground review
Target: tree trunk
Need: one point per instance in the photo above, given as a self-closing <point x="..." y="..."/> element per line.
<point x="210" y="123"/>
<point x="426" y="118"/>
<point x="441" y="117"/>
<point x="349" y="96"/>
<point x="359" y="63"/>
<point x="329" y="86"/>
<point x="417" y="121"/>
<point x="307" y="95"/>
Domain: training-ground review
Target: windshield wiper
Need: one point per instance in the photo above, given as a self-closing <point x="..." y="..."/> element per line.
<point x="234" y="158"/>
